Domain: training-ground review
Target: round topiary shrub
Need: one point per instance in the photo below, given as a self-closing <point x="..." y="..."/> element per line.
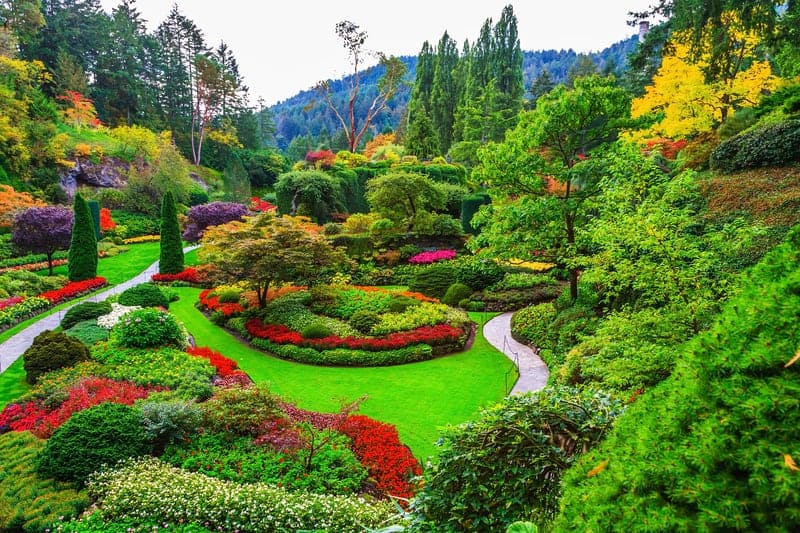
<point x="434" y="280"/>
<point x="147" y="328"/>
<point x="144" y="295"/>
<point x="50" y="351"/>
<point x="455" y="293"/>
<point x="363" y="320"/>
<point x="399" y="304"/>
<point x="84" y="311"/>
<point x="316" y="330"/>
<point x="103" y="434"/>
<point x="478" y="273"/>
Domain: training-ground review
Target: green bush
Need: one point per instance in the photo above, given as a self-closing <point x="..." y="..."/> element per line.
<point x="103" y="434"/>
<point x="455" y="293"/>
<point x="84" y="311"/>
<point x="171" y="247"/>
<point x="400" y="303"/>
<point x="29" y="502"/>
<point x="769" y="145"/>
<point x="83" y="246"/>
<point x="241" y="410"/>
<point x="136" y="225"/>
<point x="146" y="328"/>
<point x="88" y="332"/>
<point x="534" y="325"/>
<point x="168" y="422"/>
<point x="363" y="320"/>
<point x="478" y="272"/>
<point x="50" y="351"/>
<point x="228" y="295"/>
<point x="316" y="330"/>
<point x="144" y="295"/>
<point x="506" y="465"/>
<point x="434" y="280"/>
<point x="469" y="206"/>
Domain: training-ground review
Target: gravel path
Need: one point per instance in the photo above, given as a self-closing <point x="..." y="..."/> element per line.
<point x="533" y="372"/>
<point x="13" y="348"/>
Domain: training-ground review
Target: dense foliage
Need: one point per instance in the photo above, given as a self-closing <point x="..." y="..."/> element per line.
<point x="50" y="351"/>
<point x="171" y="257"/>
<point x="203" y="216"/>
<point x="83" y="245"/>
<point x="43" y="230"/>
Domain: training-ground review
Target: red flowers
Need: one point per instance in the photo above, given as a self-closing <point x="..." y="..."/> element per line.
<point x="189" y="275"/>
<point x="42" y="421"/>
<point x="106" y="222"/>
<point x="8" y="302"/>
<point x="280" y="334"/>
<point x="225" y="367"/>
<point x="73" y="289"/>
<point x="212" y="304"/>
<point x="257" y="204"/>
<point x="377" y="446"/>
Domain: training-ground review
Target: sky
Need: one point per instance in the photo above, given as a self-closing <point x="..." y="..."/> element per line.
<point x="288" y="46"/>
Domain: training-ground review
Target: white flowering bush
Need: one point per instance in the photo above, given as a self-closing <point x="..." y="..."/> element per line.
<point x="117" y="312"/>
<point x="145" y="490"/>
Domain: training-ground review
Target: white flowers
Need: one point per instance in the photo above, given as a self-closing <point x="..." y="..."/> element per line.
<point x="117" y="312"/>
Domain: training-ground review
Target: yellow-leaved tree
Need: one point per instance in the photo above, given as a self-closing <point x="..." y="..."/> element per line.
<point x="687" y="101"/>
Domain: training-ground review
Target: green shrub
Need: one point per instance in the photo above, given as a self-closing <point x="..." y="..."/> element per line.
<point x="197" y="195"/>
<point x="469" y="206"/>
<point x="84" y="311"/>
<point x="168" y="422"/>
<point x="136" y="225"/>
<point x="103" y="434"/>
<point x="316" y="330"/>
<point x="478" y="272"/>
<point x="364" y="320"/>
<point x="400" y="303"/>
<point x="241" y="410"/>
<point x="146" y="328"/>
<point x="506" y="465"/>
<point x="769" y="145"/>
<point x="50" y="351"/>
<point x="83" y="246"/>
<point x="455" y="293"/>
<point x="171" y="246"/>
<point x="151" y="490"/>
<point x="144" y="295"/>
<point x="228" y="295"/>
<point x="88" y="332"/>
<point x="434" y="280"/>
<point x="29" y="502"/>
<point x="345" y="357"/>
<point x="534" y="325"/>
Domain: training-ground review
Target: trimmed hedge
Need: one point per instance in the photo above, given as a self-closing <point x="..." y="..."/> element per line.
<point x="770" y="145"/>
<point x="84" y="311"/>
<point x="144" y="295"/>
<point x="50" y="351"/>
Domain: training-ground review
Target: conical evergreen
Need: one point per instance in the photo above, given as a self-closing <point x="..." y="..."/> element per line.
<point x="83" y="246"/>
<point x="171" y="257"/>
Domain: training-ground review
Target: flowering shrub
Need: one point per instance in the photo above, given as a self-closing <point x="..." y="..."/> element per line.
<point x="257" y="204"/>
<point x="202" y="216"/>
<point x="225" y="367"/>
<point x="73" y="289"/>
<point x="106" y="222"/>
<point x="389" y="462"/>
<point x="321" y="158"/>
<point x="149" y="327"/>
<point x="117" y="312"/>
<point x="39" y="265"/>
<point x="8" y="302"/>
<point x="188" y="275"/>
<point x="18" y="312"/>
<point x="280" y="334"/>
<point x="426" y="314"/>
<point x="148" y="490"/>
<point x="42" y="420"/>
<point x="209" y="300"/>
<point x="425" y="258"/>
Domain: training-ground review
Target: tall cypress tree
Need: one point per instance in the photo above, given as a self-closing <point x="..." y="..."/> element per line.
<point x="83" y="246"/>
<point x="443" y="94"/>
<point x="171" y="256"/>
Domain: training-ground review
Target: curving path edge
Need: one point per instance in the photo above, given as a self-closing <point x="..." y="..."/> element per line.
<point x="13" y="348"/>
<point x="533" y="373"/>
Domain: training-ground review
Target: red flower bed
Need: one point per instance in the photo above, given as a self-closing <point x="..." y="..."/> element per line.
<point x="73" y="289"/>
<point x="280" y="334"/>
<point x="225" y="367"/>
<point x="106" y="221"/>
<point x="42" y="421"/>
<point x="389" y="462"/>
<point x="8" y="302"/>
<point x="41" y="265"/>
<point x="189" y="275"/>
<point x="212" y="304"/>
<point x="257" y="204"/>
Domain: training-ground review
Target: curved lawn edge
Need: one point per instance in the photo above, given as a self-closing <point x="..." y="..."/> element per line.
<point x="418" y="398"/>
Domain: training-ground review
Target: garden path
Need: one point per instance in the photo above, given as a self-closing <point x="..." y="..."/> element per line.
<point x="533" y="373"/>
<point x="14" y="347"/>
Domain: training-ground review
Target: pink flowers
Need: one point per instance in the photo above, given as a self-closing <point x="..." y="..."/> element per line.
<point x="425" y="258"/>
<point x="73" y="289"/>
<point x="8" y="302"/>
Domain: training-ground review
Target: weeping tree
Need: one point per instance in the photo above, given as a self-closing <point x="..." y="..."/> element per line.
<point x="83" y="246"/>
<point x="171" y="257"/>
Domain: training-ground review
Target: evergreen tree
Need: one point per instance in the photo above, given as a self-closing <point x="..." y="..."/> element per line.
<point x="443" y="94"/>
<point x="83" y="246"/>
<point x="542" y="85"/>
<point x="420" y="139"/>
<point x="171" y="257"/>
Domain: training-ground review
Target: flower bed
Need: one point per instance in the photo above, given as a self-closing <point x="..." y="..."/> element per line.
<point x="73" y="290"/>
<point x="210" y="301"/>
<point x="426" y="258"/>
<point x="225" y="367"/>
<point x="143" y="238"/>
<point x="8" y="302"/>
<point x="189" y="275"/>
<point x="41" y="265"/>
<point x="27" y="308"/>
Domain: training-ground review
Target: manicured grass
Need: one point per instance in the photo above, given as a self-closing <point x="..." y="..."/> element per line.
<point x="12" y="383"/>
<point x="418" y="398"/>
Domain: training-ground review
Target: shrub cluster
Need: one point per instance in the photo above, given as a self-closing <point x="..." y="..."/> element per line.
<point x="144" y="295"/>
<point x="50" y="351"/>
<point x="84" y="311"/>
<point x="145" y="328"/>
<point x="769" y="145"/>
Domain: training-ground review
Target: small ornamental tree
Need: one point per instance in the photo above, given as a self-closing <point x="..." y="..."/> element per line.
<point x="171" y="257"/>
<point x="83" y="246"/>
<point x="203" y="216"/>
<point x="43" y="230"/>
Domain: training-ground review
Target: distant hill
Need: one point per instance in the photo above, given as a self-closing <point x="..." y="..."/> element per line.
<point x="306" y="112"/>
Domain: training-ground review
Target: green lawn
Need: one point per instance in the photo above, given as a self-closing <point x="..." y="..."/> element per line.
<point x="418" y="398"/>
<point x="115" y="269"/>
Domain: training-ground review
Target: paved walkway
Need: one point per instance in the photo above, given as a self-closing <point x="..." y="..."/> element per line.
<point x="13" y="348"/>
<point x="533" y="372"/>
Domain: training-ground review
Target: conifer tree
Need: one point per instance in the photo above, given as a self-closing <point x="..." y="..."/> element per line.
<point x="83" y="245"/>
<point x="171" y="256"/>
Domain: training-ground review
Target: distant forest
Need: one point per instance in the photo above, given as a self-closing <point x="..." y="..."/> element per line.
<point x="306" y="114"/>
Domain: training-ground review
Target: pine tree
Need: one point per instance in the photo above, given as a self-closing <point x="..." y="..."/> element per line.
<point x="83" y="246"/>
<point x="171" y="256"/>
<point x="443" y="94"/>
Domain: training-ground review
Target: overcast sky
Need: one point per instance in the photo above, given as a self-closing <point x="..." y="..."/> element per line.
<point x="287" y="46"/>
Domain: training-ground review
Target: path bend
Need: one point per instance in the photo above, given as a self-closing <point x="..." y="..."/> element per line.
<point x="533" y="373"/>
